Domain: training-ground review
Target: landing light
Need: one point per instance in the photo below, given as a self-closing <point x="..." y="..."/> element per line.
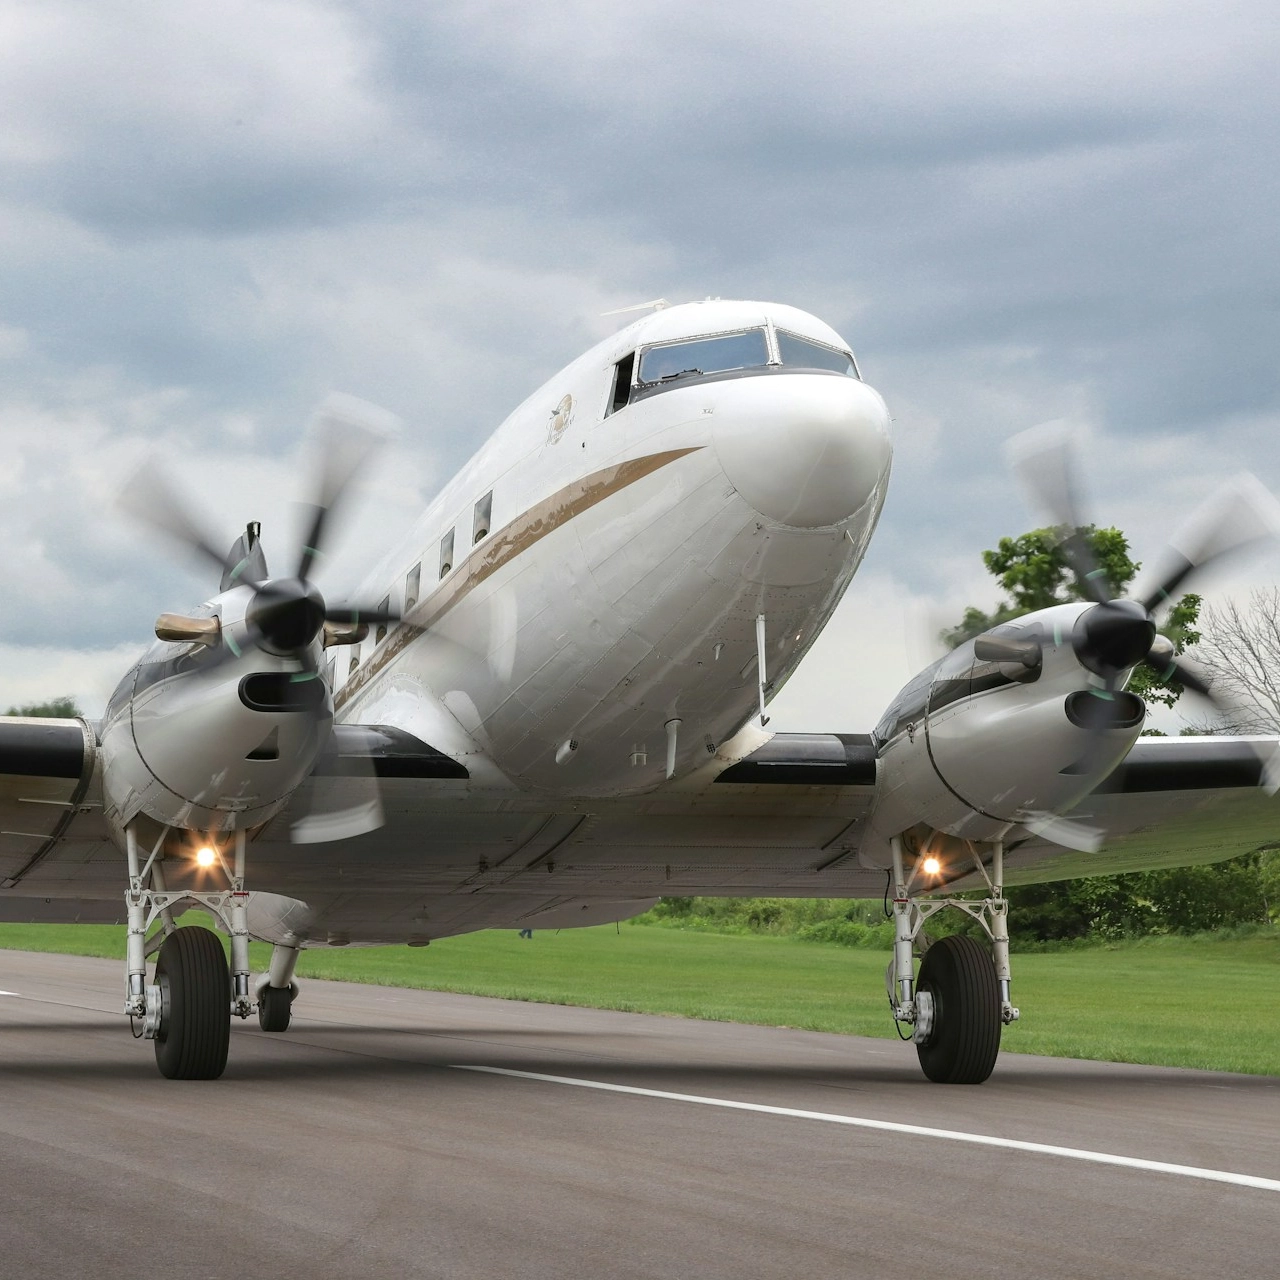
<point x="205" y="857"/>
<point x="932" y="866"/>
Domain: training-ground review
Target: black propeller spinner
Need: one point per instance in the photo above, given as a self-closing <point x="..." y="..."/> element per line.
<point x="288" y="614"/>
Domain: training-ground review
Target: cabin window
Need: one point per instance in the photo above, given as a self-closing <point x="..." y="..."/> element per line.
<point x="483" y="517"/>
<point x="354" y="665"/>
<point x="675" y="360"/>
<point x="380" y="635"/>
<point x="622" y="372"/>
<point x="412" y="587"/>
<point x="446" y="553"/>
<point x="802" y="353"/>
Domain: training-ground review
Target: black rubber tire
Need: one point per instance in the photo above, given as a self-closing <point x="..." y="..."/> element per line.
<point x="965" y="1040"/>
<point x="275" y="1006"/>
<point x="195" y="994"/>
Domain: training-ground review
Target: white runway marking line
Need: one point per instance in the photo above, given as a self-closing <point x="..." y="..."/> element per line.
<point x="916" y="1130"/>
<point x="10" y="993"/>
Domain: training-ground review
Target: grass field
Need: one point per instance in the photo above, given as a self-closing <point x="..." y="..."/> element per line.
<point x="1188" y="1002"/>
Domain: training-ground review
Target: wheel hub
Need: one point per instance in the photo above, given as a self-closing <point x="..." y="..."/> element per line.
<point x="923" y="1031"/>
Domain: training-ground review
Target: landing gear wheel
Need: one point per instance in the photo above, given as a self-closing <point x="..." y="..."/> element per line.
<point x="275" y="1005"/>
<point x="195" y="1003"/>
<point x="962" y="1045"/>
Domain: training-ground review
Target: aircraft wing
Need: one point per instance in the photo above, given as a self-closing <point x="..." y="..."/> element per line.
<point x="776" y="814"/>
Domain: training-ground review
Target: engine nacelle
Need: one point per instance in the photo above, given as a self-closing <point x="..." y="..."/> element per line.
<point x="972" y="746"/>
<point x="197" y="739"/>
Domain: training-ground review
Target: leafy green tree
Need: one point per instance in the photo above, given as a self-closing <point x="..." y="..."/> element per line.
<point x="1269" y="875"/>
<point x="58" y="709"/>
<point x="1033" y="571"/>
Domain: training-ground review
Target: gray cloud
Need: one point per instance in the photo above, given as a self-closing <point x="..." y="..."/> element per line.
<point x="215" y="214"/>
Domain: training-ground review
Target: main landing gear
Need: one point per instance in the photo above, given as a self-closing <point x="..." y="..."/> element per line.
<point x="960" y="1002"/>
<point x="187" y="1010"/>
<point x="192" y="1029"/>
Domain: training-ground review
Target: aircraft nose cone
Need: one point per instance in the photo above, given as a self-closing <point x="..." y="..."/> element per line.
<point x="805" y="450"/>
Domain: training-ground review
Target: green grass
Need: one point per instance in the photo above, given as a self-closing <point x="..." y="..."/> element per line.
<point x="1187" y="1002"/>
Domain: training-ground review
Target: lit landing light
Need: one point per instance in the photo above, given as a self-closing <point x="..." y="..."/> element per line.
<point x="205" y="857"/>
<point x="932" y="866"/>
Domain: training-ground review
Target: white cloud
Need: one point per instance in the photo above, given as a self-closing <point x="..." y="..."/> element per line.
<point x="36" y="674"/>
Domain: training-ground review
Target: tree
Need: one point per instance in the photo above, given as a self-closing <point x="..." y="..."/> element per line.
<point x="1269" y="872"/>
<point x="1178" y="900"/>
<point x="1034" y="572"/>
<point x="1180" y="627"/>
<point x="59" y="709"/>
<point x="1240" y="651"/>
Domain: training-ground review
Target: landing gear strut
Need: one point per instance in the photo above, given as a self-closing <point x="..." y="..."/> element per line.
<point x="187" y="1010"/>
<point x="961" y="1001"/>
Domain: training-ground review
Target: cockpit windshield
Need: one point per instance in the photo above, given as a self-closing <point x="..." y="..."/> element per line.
<point x="674" y="360"/>
<point x="800" y="353"/>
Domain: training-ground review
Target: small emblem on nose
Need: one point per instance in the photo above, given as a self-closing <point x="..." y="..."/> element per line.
<point x="561" y="417"/>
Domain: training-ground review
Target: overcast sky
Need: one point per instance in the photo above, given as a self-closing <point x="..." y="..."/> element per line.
<point x="214" y="214"/>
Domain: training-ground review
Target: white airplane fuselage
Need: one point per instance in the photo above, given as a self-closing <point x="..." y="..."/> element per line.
<point x="579" y="606"/>
<point x="627" y="557"/>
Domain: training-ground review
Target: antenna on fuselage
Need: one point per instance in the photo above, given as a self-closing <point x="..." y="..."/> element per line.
<point x="658" y="304"/>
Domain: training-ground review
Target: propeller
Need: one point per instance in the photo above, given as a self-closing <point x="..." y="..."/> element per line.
<point x="286" y="613"/>
<point x="1116" y="635"/>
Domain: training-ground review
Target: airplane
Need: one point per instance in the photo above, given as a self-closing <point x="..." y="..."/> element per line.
<point x="550" y="708"/>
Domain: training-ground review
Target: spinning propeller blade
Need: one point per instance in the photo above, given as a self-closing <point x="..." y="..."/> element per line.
<point x="153" y="499"/>
<point x="1241" y="514"/>
<point x="1044" y="463"/>
<point x="347" y="434"/>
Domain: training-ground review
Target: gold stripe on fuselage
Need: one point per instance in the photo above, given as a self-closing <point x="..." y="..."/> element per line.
<point x="500" y="548"/>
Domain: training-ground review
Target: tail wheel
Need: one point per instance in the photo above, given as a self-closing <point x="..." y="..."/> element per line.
<point x="195" y="1004"/>
<point x="962" y="1045"/>
<point x="275" y="1006"/>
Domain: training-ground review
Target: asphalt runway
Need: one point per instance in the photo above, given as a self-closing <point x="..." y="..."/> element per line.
<point x="353" y="1146"/>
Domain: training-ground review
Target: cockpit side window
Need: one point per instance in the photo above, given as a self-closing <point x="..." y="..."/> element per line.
<point x="672" y="361"/>
<point x="622" y="372"/>
<point x="803" y="353"/>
